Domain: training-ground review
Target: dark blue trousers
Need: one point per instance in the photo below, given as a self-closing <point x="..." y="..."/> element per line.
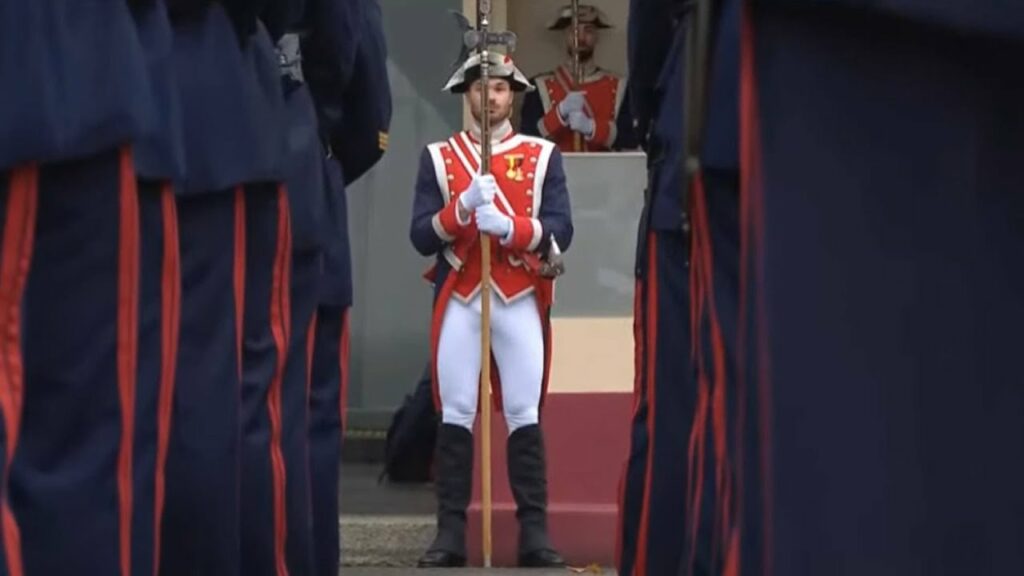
<point x="71" y="480"/>
<point x="887" y="263"/>
<point x="653" y="508"/>
<point x="201" y="511"/>
<point x="158" y="324"/>
<point x="267" y="333"/>
<point x="296" y="404"/>
<point x="326" y="413"/>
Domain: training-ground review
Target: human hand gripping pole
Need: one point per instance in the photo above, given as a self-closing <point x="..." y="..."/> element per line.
<point x="481" y="191"/>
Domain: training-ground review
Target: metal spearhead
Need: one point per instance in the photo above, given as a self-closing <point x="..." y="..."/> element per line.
<point x="473" y="39"/>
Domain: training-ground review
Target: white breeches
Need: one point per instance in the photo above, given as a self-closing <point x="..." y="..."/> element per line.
<point x="517" y="342"/>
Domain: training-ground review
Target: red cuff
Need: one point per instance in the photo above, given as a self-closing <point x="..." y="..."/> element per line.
<point x="526" y="234"/>
<point x="446" y="222"/>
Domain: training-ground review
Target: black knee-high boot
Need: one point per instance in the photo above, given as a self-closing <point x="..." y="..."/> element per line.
<point x="527" y="475"/>
<point x="454" y="488"/>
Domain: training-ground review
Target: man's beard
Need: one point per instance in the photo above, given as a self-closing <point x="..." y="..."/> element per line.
<point x="495" y="117"/>
<point x="586" y="54"/>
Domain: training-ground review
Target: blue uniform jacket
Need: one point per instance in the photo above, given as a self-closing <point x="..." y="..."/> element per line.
<point x="304" y="152"/>
<point x="662" y="102"/>
<point x="230" y="98"/>
<point x="160" y="153"/>
<point x="349" y="84"/>
<point x="73" y="80"/>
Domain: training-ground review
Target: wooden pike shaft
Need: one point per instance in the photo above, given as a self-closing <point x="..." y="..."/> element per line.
<point x="577" y="70"/>
<point x="483" y="23"/>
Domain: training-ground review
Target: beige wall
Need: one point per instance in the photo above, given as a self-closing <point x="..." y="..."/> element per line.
<point x="591" y="355"/>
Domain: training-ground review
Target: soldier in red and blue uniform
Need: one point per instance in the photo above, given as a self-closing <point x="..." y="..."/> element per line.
<point x="344" y="62"/>
<point x="594" y="112"/>
<point x="524" y="205"/>
<point x="76" y="96"/>
<point x="231" y="101"/>
<point x="883" y="230"/>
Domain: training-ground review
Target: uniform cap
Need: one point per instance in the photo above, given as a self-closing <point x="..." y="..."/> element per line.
<point x="589" y="14"/>
<point x="501" y="66"/>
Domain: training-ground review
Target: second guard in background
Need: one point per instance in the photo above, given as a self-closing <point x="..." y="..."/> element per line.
<point x="524" y="205"/>
<point x="345" y="64"/>
<point x="591" y="106"/>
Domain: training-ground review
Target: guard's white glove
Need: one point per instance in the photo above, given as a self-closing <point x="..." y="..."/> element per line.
<point x="490" y="220"/>
<point x="480" y="192"/>
<point x="580" y="122"/>
<point x="573" y="102"/>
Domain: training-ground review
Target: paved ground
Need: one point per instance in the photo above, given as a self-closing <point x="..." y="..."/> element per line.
<point x="386" y="527"/>
<point x="362" y="494"/>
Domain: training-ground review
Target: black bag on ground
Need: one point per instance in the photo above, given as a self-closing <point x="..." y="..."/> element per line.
<point x="409" y="447"/>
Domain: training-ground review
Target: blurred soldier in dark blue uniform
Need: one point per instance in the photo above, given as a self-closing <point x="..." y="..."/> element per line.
<point x="345" y="61"/>
<point x="160" y="166"/>
<point x="76" y="95"/>
<point x="653" y="510"/>
<point x="883" y="230"/>
<point x="274" y="485"/>
<point x="319" y="45"/>
<point x="231" y="108"/>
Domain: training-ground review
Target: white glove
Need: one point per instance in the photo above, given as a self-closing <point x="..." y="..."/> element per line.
<point x="573" y="102"/>
<point x="582" y="123"/>
<point x="490" y="220"/>
<point x="480" y="192"/>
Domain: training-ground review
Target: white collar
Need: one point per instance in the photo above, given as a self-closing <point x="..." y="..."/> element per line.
<point x="498" y="133"/>
<point x="588" y="69"/>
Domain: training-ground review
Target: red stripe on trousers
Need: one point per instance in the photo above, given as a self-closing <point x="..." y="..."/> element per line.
<point x="239" y="272"/>
<point x="344" y="357"/>
<point x="280" y="327"/>
<point x="170" y="319"/>
<point x="651" y="327"/>
<point x="310" y="349"/>
<point x="127" y="342"/>
<point x="18" y="237"/>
